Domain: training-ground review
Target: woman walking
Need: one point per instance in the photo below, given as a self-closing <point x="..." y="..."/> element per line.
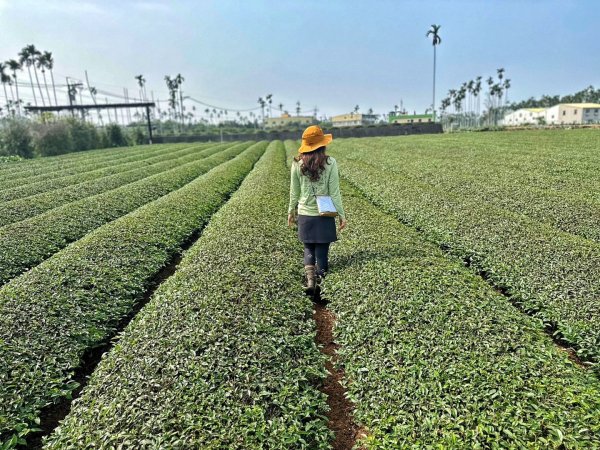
<point x="315" y="175"/>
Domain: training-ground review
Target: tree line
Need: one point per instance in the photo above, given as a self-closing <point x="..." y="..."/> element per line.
<point x="29" y="57"/>
<point x="463" y="105"/>
<point x="587" y="95"/>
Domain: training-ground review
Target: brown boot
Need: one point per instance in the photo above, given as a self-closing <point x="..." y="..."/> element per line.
<point x="310" y="279"/>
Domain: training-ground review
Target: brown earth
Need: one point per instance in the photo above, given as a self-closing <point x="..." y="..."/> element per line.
<point x="340" y="412"/>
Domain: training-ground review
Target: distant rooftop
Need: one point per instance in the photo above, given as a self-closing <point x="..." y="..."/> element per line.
<point x="582" y="105"/>
<point x="411" y="116"/>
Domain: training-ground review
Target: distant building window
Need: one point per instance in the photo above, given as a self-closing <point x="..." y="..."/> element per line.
<point x="564" y="113"/>
<point x="575" y="112"/>
<point x="419" y="120"/>
<point x="595" y="111"/>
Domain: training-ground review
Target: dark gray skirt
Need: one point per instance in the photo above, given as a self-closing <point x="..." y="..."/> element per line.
<point x="316" y="229"/>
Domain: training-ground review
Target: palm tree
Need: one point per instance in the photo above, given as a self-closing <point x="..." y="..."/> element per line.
<point x="50" y="66"/>
<point x="280" y="107"/>
<point x="26" y="58"/>
<point x="179" y="81"/>
<point x="451" y="96"/>
<point x="476" y="91"/>
<point x="14" y="65"/>
<point x="262" y="103"/>
<point x="141" y="83"/>
<point x="42" y="63"/>
<point x="171" y="85"/>
<point x="491" y="92"/>
<point x="506" y="88"/>
<point x="5" y="79"/>
<point x="298" y="108"/>
<point x="356" y="109"/>
<point x="35" y="55"/>
<point x="470" y="97"/>
<point x="269" y="100"/>
<point x="500" y="72"/>
<point x="436" y="40"/>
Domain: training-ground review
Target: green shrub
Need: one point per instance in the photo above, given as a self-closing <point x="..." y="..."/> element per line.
<point x="115" y="136"/>
<point x="85" y="136"/>
<point x="53" y="138"/>
<point x="139" y="137"/>
<point x="16" y="139"/>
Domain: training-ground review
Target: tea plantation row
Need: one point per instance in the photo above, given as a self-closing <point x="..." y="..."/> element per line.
<point x="551" y="274"/>
<point x="59" y="166"/>
<point x="27" y="243"/>
<point x="55" y="196"/>
<point x="56" y="182"/>
<point x="72" y="302"/>
<point x="435" y="358"/>
<point x="558" y="195"/>
<point x="225" y="348"/>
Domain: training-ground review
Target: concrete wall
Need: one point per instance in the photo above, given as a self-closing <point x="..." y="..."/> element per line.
<point x="523" y="116"/>
<point x="388" y="130"/>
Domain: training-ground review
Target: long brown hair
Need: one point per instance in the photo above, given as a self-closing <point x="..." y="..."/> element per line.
<point x="313" y="163"/>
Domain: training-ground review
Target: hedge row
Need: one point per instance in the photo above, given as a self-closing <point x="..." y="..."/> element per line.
<point x="23" y="208"/>
<point x="436" y="358"/>
<point x="553" y="275"/>
<point x="223" y="356"/>
<point x="54" y="182"/>
<point x="72" y="302"/>
<point x="73" y="161"/>
<point x="562" y="199"/>
<point x="25" y="244"/>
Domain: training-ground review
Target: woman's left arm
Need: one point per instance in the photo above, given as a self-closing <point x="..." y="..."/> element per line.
<point x="334" y="191"/>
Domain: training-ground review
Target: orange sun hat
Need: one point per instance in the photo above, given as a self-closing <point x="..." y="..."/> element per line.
<point x="313" y="138"/>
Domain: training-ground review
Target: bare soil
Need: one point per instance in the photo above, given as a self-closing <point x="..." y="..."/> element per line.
<point x="341" y="409"/>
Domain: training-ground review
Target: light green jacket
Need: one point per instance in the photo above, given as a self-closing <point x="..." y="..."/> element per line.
<point x="301" y="193"/>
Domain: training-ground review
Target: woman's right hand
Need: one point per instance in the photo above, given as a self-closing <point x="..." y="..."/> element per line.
<point x="343" y="223"/>
<point x="291" y="220"/>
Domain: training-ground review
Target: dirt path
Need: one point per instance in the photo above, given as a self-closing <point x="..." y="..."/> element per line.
<point x="340" y="408"/>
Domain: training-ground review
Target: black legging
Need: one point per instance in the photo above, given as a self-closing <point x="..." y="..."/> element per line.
<point x="316" y="253"/>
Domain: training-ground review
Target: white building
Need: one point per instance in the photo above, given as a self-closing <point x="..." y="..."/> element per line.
<point x="353" y="120"/>
<point x="525" y="116"/>
<point x="573" y="113"/>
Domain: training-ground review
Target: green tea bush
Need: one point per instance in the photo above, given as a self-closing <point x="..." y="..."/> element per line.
<point x="225" y="346"/>
<point x="436" y="358"/>
<point x="551" y="274"/>
<point x="26" y="243"/>
<point x="72" y="302"/>
<point x="92" y="183"/>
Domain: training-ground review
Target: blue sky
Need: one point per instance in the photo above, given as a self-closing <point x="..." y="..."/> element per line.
<point x="333" y="54"/>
